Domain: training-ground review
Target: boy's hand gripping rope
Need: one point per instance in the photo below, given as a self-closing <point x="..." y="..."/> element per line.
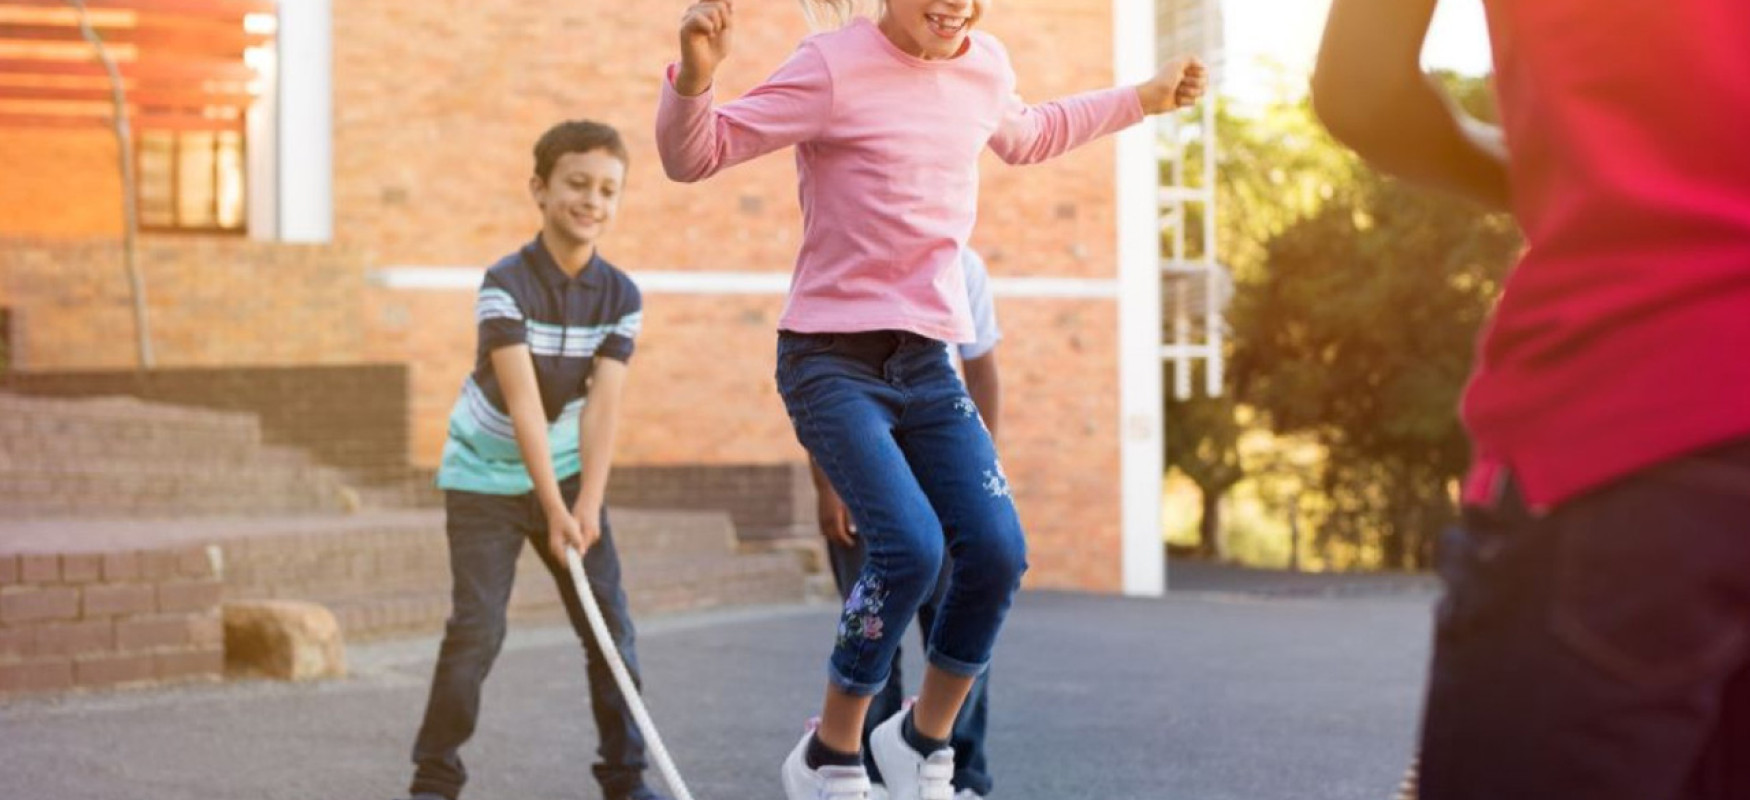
<point x="605" y="640"/>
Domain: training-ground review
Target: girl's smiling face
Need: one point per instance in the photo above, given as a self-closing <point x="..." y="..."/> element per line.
<point x="931" y="29"/>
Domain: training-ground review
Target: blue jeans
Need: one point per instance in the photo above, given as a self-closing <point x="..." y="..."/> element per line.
<point x="486" y="534"/>
<point x="891" y="425"/>
<point x="967" y="739"/>
<point x="1601" y="651"/>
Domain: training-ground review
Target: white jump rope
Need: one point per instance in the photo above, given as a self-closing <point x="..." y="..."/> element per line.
<point x="617" y="665"/>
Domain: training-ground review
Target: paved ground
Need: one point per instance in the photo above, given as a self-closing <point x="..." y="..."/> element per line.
<point x="1258" y="687"/>
<point x="1199" y="576"/>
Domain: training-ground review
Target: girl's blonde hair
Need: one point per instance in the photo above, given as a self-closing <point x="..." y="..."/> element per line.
<point x="832" y="14"/>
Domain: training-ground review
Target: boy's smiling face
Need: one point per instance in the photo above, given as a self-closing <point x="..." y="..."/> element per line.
<point x="580" y="196"/>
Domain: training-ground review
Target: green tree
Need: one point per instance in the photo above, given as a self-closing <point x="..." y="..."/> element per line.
<point x="1360" y="333"/>
<point x="1202" y="441"/>
<point x="1273" y="168"/>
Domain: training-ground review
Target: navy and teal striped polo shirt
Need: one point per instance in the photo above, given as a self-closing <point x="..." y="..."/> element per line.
<point x="566" y="322"/>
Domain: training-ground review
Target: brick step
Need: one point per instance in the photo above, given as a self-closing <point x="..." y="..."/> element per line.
<point x="79" y="451"/>
<point x="401" y="613"/>
<point x="121" y="428"/>
<point x="103" y="488"/>
<point x="401" y="548"/>
<point x="70" y="435"/>
<point x="138" y="446"/>
<point x="638" y="531"/>
<point x="655" y="585"/>
<point x="411" y="546"/>
<point x="152" y="588"/>
<point x="118" y="408"/>
<point x="270" y="466"/>
<point x="334" y="585"/>
<point x="752" y="579"/>
<point x="106" y="617"/>
<point x="403" y="495"/>
<point x="395" y="552"/>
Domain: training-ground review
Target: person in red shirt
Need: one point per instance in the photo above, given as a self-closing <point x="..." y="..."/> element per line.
<point x="1594" y="639"/>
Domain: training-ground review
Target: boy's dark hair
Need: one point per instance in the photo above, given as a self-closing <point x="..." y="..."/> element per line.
<point x="576" y="136"/>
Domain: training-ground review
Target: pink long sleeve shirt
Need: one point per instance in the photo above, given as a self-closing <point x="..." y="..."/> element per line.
<point x="887" y="150"/>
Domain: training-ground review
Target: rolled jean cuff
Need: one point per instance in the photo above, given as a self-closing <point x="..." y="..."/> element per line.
<point x="962" y="668"/>
<point x="852" y="687"/>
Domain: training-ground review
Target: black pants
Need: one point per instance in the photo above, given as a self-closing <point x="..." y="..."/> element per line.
<point x="1601" y="652"/>
<point x="486" y="534"/>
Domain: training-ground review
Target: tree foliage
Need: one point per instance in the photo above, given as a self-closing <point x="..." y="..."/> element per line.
<point x="1274" y="167"/>
<point x="1359" y="331"/>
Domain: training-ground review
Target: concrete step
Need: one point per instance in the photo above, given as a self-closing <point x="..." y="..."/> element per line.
<point x="121" y="428"/>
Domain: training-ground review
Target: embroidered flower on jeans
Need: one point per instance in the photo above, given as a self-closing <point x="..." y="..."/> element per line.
<point x="995" y="481"/>
<point x="862" y="616"/>
<point x="872" y="628"/>
<point x="966" y="406"/>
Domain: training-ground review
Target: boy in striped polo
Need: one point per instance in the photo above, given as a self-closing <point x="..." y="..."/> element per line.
<point x="530" y="442"/>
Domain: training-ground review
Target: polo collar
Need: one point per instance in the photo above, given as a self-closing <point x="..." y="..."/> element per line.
<point x="537" y="257"/>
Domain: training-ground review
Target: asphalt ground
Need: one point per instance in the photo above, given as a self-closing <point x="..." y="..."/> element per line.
<point x="1250" y="686"/>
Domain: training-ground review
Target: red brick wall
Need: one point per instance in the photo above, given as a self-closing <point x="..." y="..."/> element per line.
<point x="701" y="391"/>
<point x="59" y="182"/>
<point x="212" y="300"/>
<point x="433" y="333"/>
<point x="1054" y="219"/>
<point x="381" y="575"/>
<point x="435" y="108"/>
<point x="90" y="620"/>
<point x="1059" y="434"/>
<point x="766" y="502"/>
<point x="434" y="122"/>
<point x="438" y="104"/>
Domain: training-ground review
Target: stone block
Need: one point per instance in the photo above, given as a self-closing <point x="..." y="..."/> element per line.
<point x="284" y="639"/>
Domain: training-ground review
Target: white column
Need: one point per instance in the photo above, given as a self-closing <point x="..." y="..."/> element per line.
<point x="306" y="164"/>
<point x="1140" y="425"/>
<point x="261" y="142"/>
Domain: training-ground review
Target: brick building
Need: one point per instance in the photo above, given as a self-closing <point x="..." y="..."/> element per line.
<point x="383" y="163"/>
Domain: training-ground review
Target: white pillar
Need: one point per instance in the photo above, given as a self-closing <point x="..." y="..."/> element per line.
<point x="1140" y="425"/>
<point x="261" y="145"/>
<point x="306" y="145"/>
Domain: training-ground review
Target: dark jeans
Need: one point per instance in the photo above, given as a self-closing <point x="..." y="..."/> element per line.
<point x="486" y="534"/>
<point x="970" y="771"/>
<point x="1600" y="652"/>
<point x="891" y="425"/>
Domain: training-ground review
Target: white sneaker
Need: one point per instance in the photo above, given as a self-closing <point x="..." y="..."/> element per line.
<point x="826" y="783"/>
<point x="908" y="775"/>
<point x="968" y="794"/>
